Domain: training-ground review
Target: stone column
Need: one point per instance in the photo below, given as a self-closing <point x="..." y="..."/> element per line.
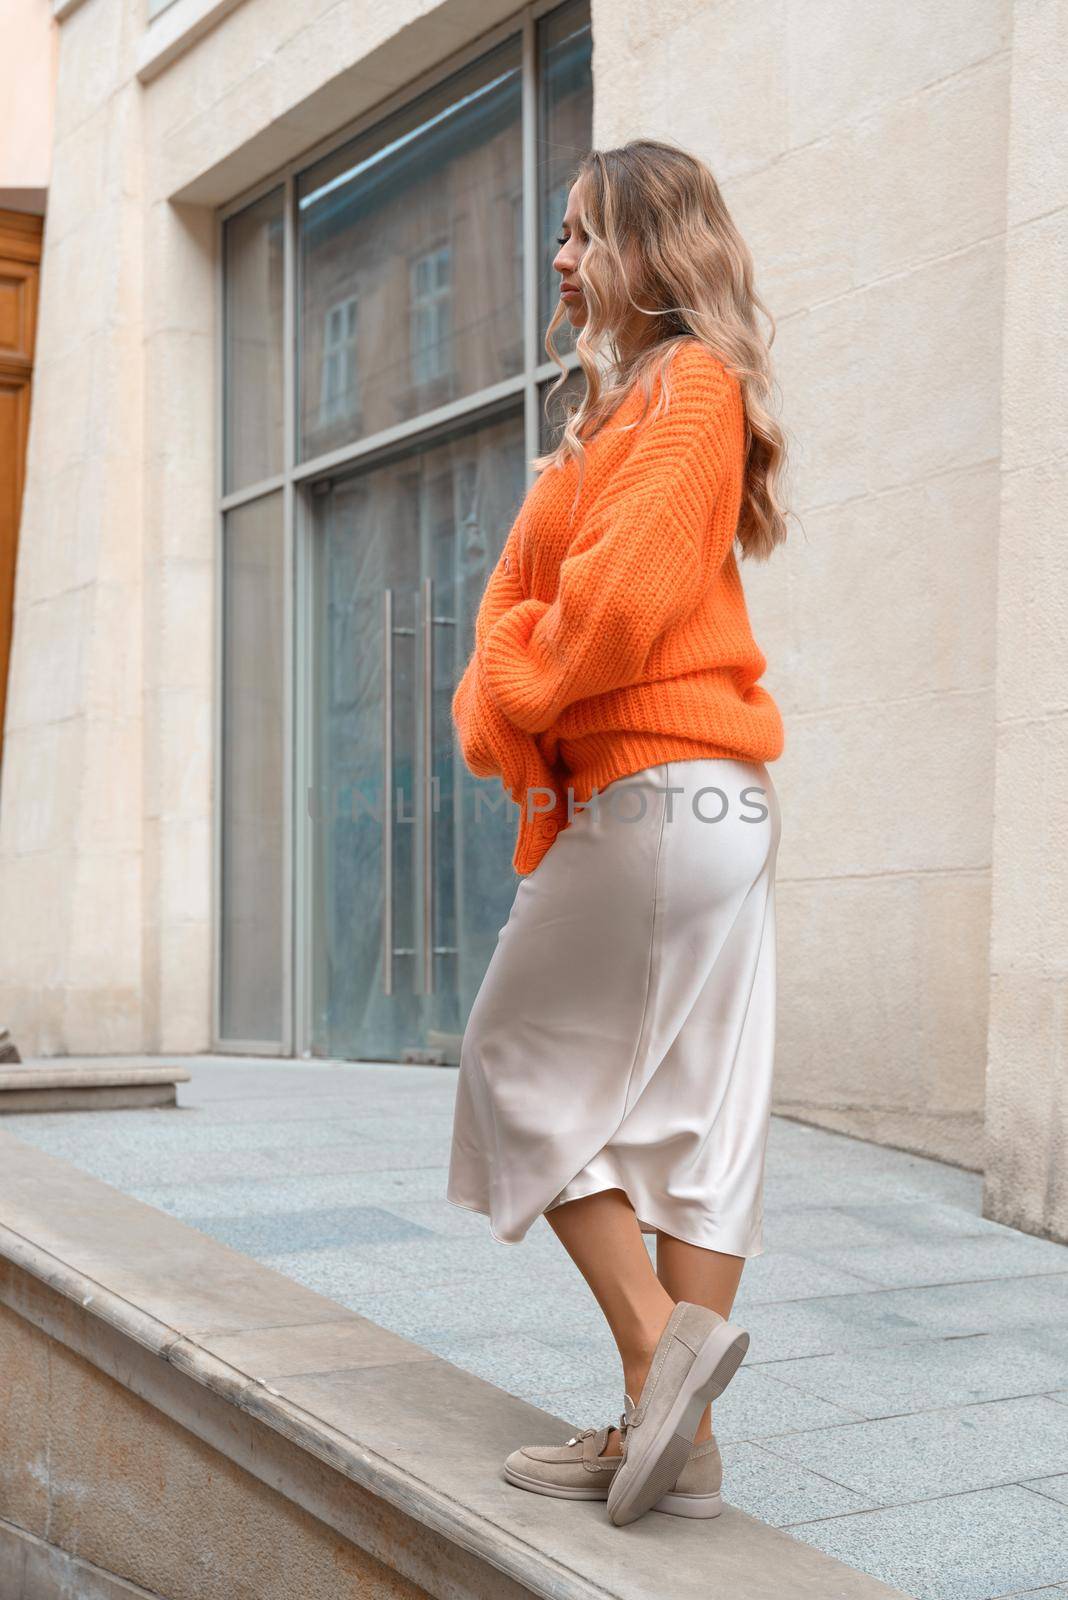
<point x="1027" y="1062"/>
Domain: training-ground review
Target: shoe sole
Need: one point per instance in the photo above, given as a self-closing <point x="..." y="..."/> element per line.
<point x="713" y="1367"/>
<point x="675" y="1505"/>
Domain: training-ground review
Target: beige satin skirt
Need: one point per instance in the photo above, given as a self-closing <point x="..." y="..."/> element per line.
<point x="623" y="1036"/>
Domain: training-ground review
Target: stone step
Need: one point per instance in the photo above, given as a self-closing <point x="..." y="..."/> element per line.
<point x="88" y="1083"/>
<point x="203" y="1426"/>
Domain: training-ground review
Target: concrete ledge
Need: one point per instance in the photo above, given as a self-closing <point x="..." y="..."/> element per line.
<point x="93" y="1085"/>
<point x="197" y="1378"/>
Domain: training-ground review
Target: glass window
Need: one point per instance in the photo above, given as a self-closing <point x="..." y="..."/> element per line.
<point x="408" y="267"/>
<point x="253" y="776"/>
<point x="414" y="219"/>
<point x="340" y="398"/>
<point x="566" y="110"/>
<point x="252" y="315"/>
<point x="430" y="310"/>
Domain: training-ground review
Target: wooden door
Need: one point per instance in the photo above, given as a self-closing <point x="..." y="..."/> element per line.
<point x="20" y="256"/>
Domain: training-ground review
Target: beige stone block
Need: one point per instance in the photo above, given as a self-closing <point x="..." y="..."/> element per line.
<point x="101" y="1020"/>
<point x="187" y="622"/>
<point x="715" y="65"/>
<point x="931" y="357"/>
<point x="1030" y="934"/>
<point x="1027" y="1107"/>
<point x="183" y="506"/>
<point x="1038" y="151"/>
<point x="94" y="59"/>
<point x="185" y="868"/>
<point x="35" y="892"/>
<point x="180" y="268"/>
<point x="104" y="941"/>
<point x="1033" y="592"/>
<point x="892" y="1018"/>
<point x="872" y="618"/>
<point x="115" y="400"/>
<point x="901" y="788"/>
<point x="933" y="170"/>
<point x="49" y="558"/>
<point x="841" y="72"/>
<point x="183" y="733"/>
<point x="42" y="795"/>
<point x="108" y="817"/>
<point x="113" y="679"/>
<point x="822" y="366"/>
<point x="76" y="190"/>
<point x="185" y="987"/>
<point x="1035" y="395"/>
<point x="177" y="1517"/>
<point x="400" y="43"/>
<point x="50" y="656"/>
<point x="60" y="423"/>
<point x="108" y="536"/>
<point x="799" y="216"/>
<point x="179" y="394"/>
<point x="24" y="1423"/>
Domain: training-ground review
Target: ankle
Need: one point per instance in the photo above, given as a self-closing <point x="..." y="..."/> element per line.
<point x="637" y="1352"/>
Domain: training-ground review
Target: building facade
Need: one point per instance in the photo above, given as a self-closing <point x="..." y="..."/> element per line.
<point x="289" y="377"/>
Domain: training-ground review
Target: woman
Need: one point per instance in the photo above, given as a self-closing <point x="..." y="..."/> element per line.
<point x="616" y="1068"/>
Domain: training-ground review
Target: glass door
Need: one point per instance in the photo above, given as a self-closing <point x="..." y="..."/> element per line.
<point x="411" y="874"/>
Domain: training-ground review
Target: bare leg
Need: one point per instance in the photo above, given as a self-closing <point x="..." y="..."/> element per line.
<point x="601" y="1235"/>
<point x="705" y="1278"/>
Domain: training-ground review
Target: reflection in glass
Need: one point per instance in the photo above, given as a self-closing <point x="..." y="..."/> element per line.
<point x="565" y="118"/>
<point x="252" y="315"/>
<point x="414" y="222"/>
<point x="556" y="405"/>
<point x="253" y="723"/>
<point x="443" y="511"/>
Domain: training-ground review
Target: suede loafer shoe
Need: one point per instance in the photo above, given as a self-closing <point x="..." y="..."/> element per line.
<point x="696" y="1357"/>
<point x="578" y="1471"/>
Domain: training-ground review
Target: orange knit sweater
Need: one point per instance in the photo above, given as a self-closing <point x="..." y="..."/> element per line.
<point x="620" y="638"/>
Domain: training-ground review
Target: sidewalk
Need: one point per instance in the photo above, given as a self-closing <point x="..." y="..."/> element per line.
<point x="904" y="1405"/>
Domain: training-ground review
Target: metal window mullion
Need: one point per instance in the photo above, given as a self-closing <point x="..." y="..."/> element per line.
<point x="218" y="591"/>
<point x="531" y="237"/>
<point x="290" y="942"/>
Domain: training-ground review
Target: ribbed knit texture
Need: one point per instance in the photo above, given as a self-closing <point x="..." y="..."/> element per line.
<point x="620" y="638"/>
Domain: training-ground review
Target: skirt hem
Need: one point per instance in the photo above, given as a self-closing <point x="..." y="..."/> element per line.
<point x="720" y="1246"/>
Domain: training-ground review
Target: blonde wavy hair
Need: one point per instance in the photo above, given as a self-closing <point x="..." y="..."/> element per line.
<point x="660" y="241"/>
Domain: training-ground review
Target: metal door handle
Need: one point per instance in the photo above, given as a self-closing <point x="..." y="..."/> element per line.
<point x="428" y="777"/>
<point x="387" y="791"/>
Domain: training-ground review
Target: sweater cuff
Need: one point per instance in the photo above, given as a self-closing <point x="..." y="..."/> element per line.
<point x="511" y="677"/>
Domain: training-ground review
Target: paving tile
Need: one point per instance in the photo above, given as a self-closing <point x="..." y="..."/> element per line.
<point x="786" y="1275"/>
<point x="869" y="1180"/>
<point x="588" y="1406"/>
<point x="887" y="1223"/>
<point x="1055" y="1488"/>
<point x="906" y="1458"/>
<point x="962" y="1547"/>
<point x="779" y="1491"/>
<point x="919" y="1376"/>
<point x="522" y="1365"/>
<point x="333" y="1227"/>
<point x="787" y="1329"/>
<point x="292" y="1193"/>
<point x="946" y="1260"/>
<point x="756" y="1407"/>
<point x="348" y="1276"/>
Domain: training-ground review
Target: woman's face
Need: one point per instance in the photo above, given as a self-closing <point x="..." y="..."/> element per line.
<point x="572" y="242"/>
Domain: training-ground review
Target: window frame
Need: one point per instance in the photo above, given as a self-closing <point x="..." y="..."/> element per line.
<point x="297" y="478"/>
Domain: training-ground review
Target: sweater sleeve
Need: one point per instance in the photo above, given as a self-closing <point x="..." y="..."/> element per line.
<point x="638" y="566"/>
